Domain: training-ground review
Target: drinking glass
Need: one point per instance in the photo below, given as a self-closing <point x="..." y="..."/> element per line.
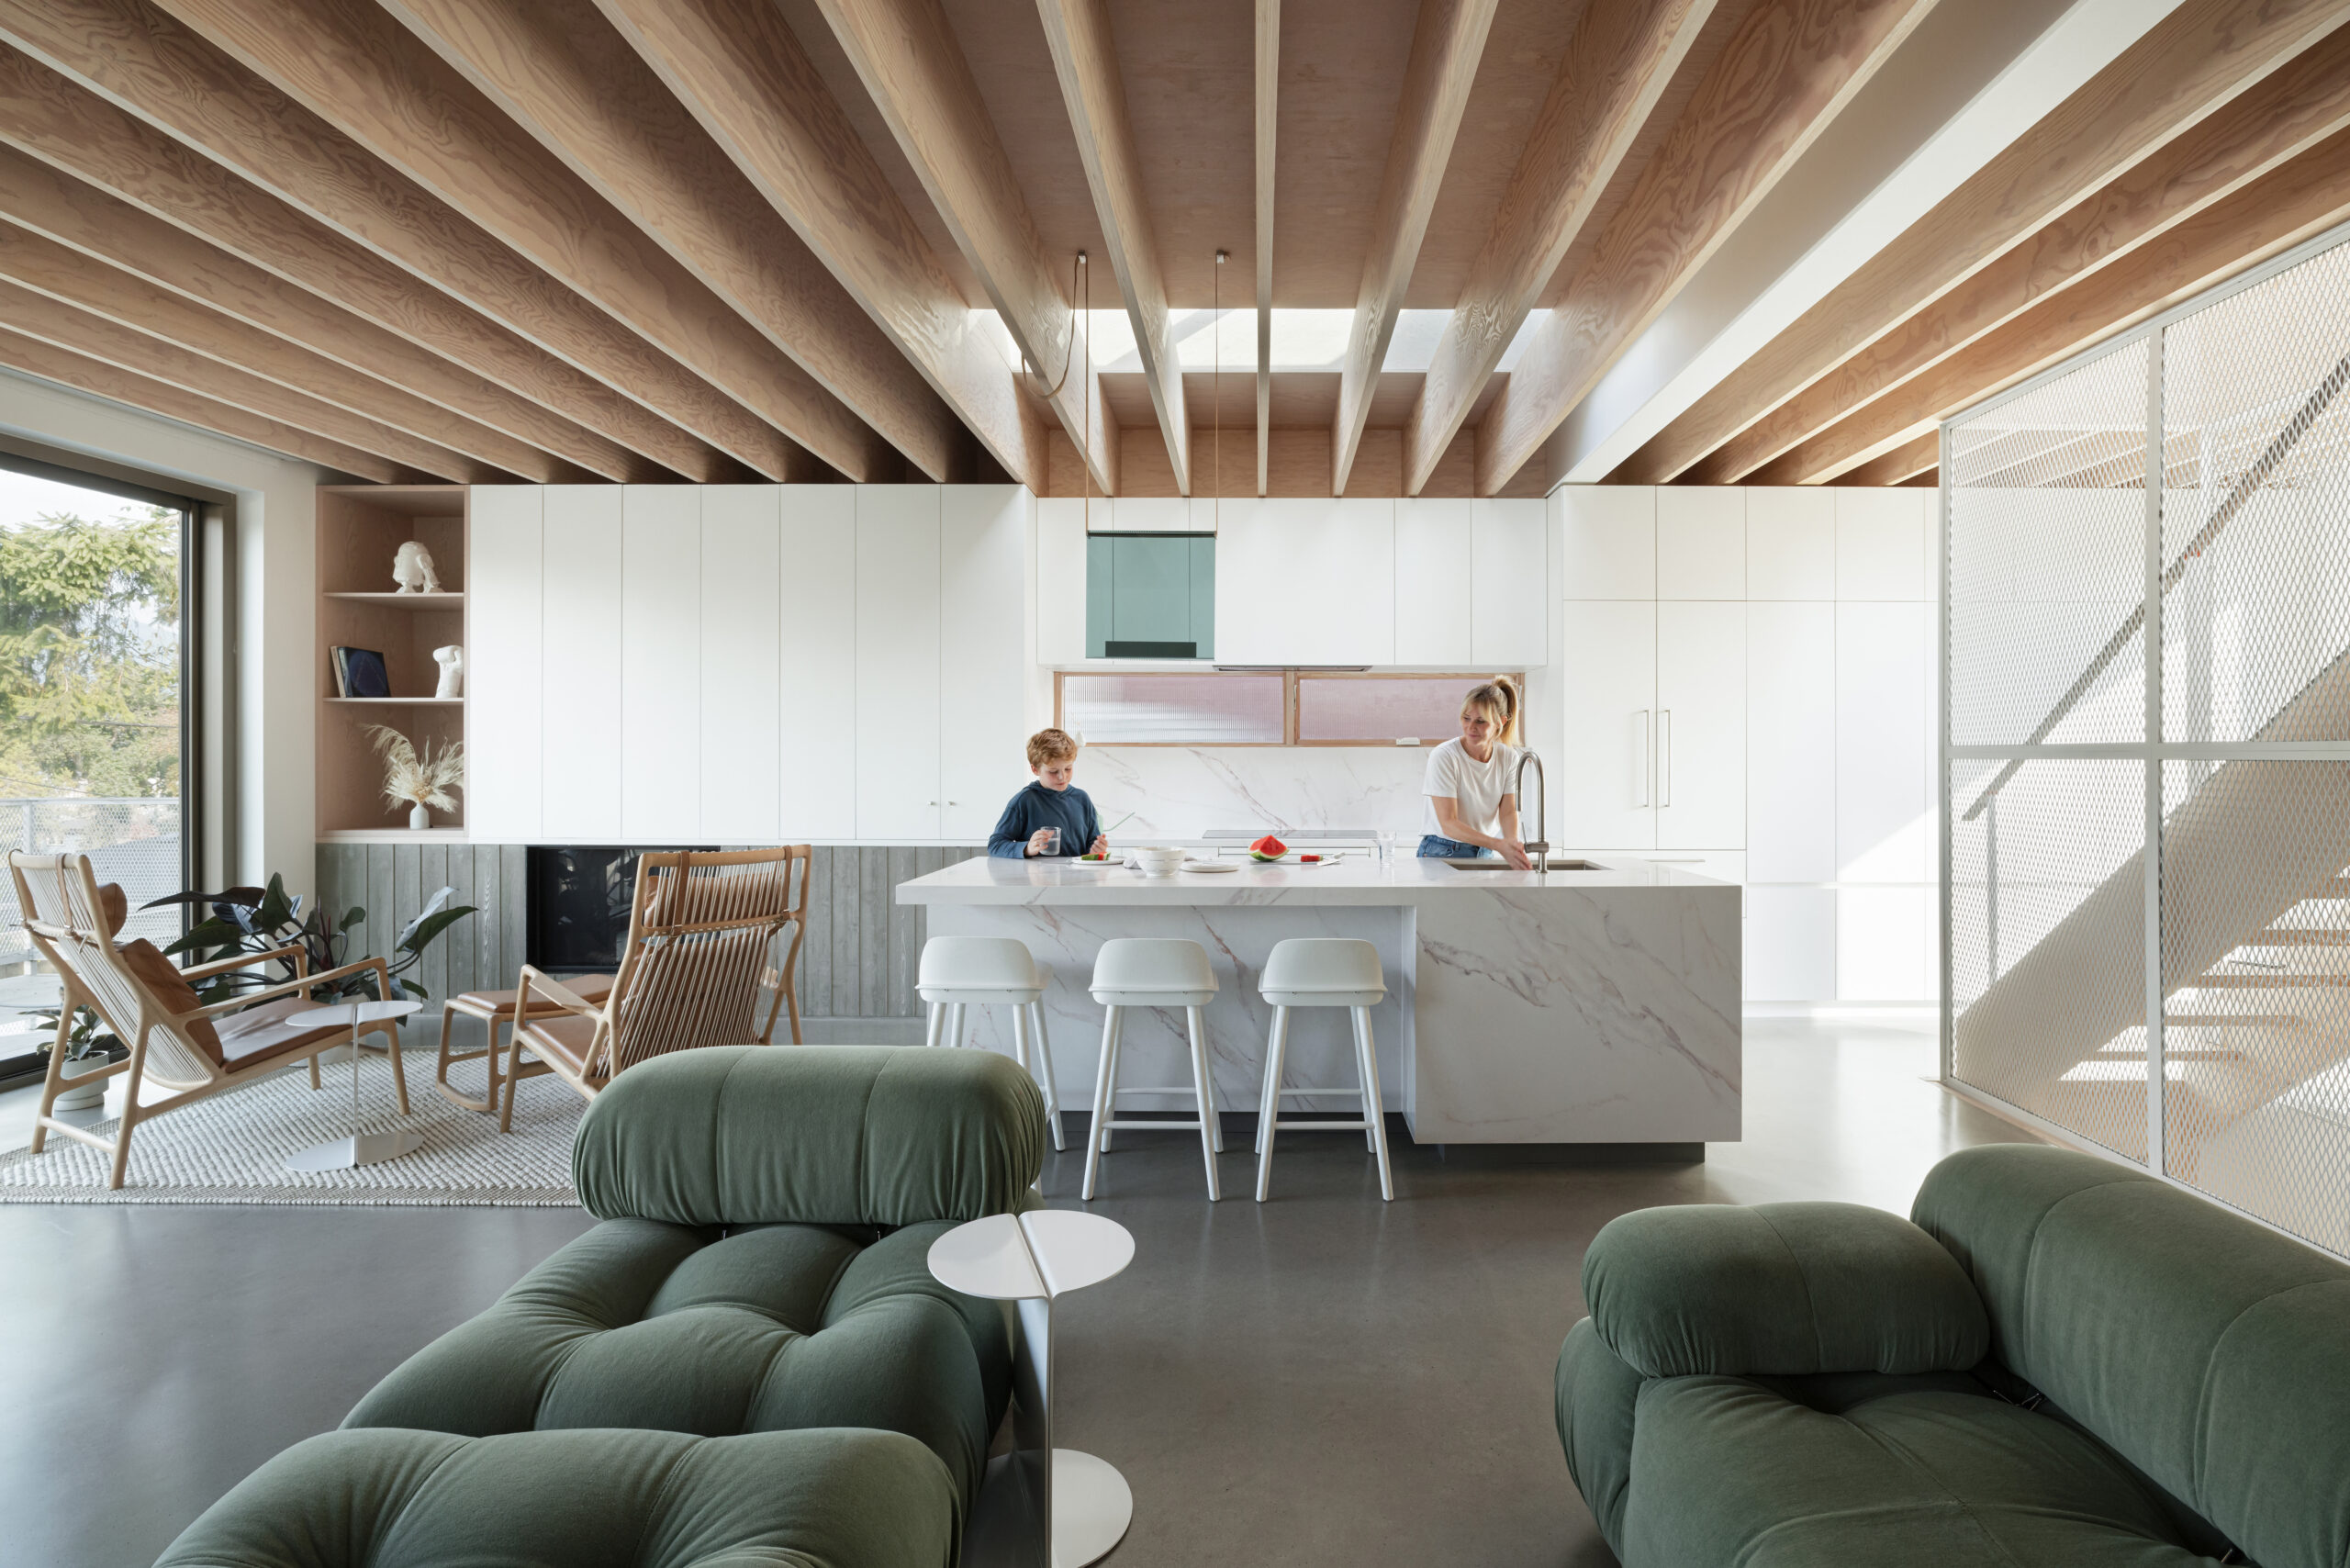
<point x="1052" y="841"/>
<point x="1386" y="848"/>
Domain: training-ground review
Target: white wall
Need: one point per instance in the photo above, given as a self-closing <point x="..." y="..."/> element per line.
<point x="276" y="561"/>
<point x="1834" y="838"/>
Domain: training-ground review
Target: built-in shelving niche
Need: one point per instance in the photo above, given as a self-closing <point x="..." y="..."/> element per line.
<point x="361" y="528"/>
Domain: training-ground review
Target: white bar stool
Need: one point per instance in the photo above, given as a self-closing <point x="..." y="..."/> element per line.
<point x="990" y="971"/>
<point x="1152" y="971"/>
<point x="1322" y="971"/>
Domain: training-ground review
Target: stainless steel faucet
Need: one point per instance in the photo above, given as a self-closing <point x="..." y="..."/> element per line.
<point x="1537" y="845"/>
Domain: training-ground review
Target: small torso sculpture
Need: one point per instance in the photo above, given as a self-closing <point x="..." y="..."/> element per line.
<point x="452" y="660"/>
<point x="412" y="569"/>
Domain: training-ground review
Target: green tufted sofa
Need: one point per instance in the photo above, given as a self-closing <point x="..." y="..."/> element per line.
<point x="747" y="1362"/>
<point x="2061" y="1363"/>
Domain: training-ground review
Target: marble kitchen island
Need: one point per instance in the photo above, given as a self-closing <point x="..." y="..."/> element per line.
<point x="1596" y="1006"/>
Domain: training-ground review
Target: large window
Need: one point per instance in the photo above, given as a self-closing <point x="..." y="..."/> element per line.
<point x="93" y="738"/>
<point x="1264" y="708"/>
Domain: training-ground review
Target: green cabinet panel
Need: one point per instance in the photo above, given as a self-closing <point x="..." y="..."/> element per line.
<point x="1150" y="589"/>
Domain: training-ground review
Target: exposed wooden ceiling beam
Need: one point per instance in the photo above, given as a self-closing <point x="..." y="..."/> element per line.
<point x="123" y="52"/>
<point x="1446" y="44"/>
<point x="2281" y="209"/>
<point x="358" y="69"/>
<point x="1900" y="466"/>
<point x="561" y="71"/>
<point x="1267" y="95"/>
<point x="737" y="67"/>
<point x="1078" y="32"/>
<point x="2293" y="109"/>
<point x="94" y="337"/>
<point x="1791" y="67"/>
<point x="1623" y="54"/>
<point x="34" y="357"/>
<point x="41" y="266"/>
<point x="906" y="55"/>
<point x="45" y="201"/>
<point x="1999" y="240"/>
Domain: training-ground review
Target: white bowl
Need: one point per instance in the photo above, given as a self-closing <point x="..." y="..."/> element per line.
<point x="1155" y="860"/>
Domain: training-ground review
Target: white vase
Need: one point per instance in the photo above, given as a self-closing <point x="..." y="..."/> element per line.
<point x="82" y="1097"/>
<point x="420" y="818"/>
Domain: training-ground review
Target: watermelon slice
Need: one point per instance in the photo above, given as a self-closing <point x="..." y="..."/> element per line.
<point x="1268" y="849"/>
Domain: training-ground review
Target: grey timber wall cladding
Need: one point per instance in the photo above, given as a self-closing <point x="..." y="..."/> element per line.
<point x="857" y="961"/>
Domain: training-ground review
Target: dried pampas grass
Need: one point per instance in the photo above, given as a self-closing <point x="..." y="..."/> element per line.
<point x="418" y="778"/>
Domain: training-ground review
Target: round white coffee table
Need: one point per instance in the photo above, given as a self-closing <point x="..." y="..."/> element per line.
<point x="1074" y="1504"/>
<point x="359" y="1148"/>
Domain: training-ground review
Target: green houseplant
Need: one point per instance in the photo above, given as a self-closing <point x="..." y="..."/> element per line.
<point x="265" y="920"/>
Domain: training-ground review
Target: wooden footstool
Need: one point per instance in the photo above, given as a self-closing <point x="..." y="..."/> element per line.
<point x="493" y="1008"/>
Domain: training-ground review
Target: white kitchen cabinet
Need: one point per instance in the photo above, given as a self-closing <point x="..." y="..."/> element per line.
<point x="1880" y="543"/>
<point x="1605" y="789"/>
<point x="660" y="637"/>
<point x="898" y="650"/>
<point x="1884" y="795"/>
<point x="818" y="715"/>
<point x="1700" y="542"/>
<point x="983" y="555"/>
<point x="1060" y="581"/>
<point x="1607" y="539"/>
<point x="1433" y="605"/>
<point x="1700" y="725"/>
<point x="582" y="632"/>
<point x="741" y="663"/>
<point x="1307" y="582"/>
<point x="503" y="657"/>
<point x="1791" y="742"/>
<point x="1791" y="542"/>
<point x="1882" y="942"/>
<point x="1790" y="944"/>
<point x="1510" y="566"/>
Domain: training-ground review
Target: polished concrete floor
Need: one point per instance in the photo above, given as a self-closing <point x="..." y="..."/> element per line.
<point x="1323" y="1380"/>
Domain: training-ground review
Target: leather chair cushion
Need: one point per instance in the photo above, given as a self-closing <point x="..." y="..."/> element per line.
<point x="583" y="1499"/>
<point x="168" y="986"/>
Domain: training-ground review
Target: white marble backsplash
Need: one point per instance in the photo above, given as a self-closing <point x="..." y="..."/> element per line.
<point x="1184" y="791"/>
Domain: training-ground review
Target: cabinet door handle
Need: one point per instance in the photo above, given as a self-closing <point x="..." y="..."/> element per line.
<point x="1640" y="761"/>
<point x="1665" y="756"/>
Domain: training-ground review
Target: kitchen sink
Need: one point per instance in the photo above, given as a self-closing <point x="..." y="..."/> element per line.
<point x="1496" y="863"/>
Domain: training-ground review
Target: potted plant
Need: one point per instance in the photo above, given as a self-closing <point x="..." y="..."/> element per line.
<point x="420" y="779"/>
<point x="264" y="920"/>
<point x="89" y="1047"/>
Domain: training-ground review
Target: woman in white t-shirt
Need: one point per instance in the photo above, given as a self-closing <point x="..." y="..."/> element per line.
<point x="1472" y="783"/>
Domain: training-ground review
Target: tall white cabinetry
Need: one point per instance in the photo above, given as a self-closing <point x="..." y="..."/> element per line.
<point x="1654" y="744"/>
<point x="747" y="663"/>
<point x="1747" y="680"/>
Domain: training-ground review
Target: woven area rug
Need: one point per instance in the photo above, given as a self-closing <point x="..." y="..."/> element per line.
<point x="231" y="1148"/>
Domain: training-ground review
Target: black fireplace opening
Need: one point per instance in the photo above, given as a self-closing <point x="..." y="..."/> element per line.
<point x="577" y="902"/>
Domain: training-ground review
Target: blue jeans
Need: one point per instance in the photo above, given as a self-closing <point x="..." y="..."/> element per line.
<point x="1435" y="846"/>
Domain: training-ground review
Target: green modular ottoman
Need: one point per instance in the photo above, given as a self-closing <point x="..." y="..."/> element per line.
<point x="2061" y="1364"/>
<point x="756" y="1301"/>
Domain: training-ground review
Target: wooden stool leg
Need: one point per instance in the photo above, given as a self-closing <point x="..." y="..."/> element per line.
<point x="1367" y="1065"/>
<point x="1097" y="1136"/>
<point x="1270" y="1115"/>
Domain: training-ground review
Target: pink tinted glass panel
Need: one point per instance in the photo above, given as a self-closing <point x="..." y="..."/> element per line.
<point x="1380" y="713"/>
<point x="1173" y="710"/>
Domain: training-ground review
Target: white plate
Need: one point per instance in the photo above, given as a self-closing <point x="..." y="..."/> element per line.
<point x="1209" y="866"/>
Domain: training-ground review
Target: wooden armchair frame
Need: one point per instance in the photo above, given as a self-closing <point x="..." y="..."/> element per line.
<point x="63" y="915"/>
<point x="682" y="982"/>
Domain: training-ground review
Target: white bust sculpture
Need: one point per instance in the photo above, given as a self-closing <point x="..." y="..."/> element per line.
<point x="412" y="569"/>
<point x="452" y="660"/>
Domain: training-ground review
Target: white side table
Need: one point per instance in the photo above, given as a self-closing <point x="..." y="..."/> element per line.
<point x="359" y="1148"/>
<point x="1030" y="1259"/>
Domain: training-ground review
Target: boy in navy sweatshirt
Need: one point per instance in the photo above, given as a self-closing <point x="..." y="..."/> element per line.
<point x="1050" y="803"/>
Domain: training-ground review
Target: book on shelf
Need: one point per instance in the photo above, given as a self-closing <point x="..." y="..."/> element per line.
<point x="359" y="672"/>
